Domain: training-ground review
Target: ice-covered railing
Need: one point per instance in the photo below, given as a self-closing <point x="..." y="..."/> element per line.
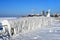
<point x="26" y="24"/>
<point x="47" y="31"/>
<point x="53" y="26"/>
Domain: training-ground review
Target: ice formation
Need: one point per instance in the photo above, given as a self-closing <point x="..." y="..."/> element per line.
<point x="29" y="27"/>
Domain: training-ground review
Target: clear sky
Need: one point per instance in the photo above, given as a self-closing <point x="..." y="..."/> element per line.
<point x="24" y="7"/>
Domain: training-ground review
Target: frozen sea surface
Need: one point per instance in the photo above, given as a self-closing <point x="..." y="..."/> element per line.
<point x="52" y="32"/>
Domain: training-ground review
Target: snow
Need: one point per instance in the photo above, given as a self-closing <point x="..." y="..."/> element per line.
<point x="38" y="35"/>
<point x="35" y="28"/>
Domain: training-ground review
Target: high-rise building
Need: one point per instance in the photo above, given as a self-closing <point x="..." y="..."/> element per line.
<point x="48" y="13"/>
<point x="42" y="13"/>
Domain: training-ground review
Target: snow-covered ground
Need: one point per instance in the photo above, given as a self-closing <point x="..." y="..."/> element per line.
<point x="51" y="32"/>
<point x="37" y="28"/>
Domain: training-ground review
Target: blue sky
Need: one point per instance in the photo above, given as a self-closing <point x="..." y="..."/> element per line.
<point x="25" y="7"/>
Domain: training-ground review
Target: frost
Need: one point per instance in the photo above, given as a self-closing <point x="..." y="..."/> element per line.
<point x="35" y="28"/>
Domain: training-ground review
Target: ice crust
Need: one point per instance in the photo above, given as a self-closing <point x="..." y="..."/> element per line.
<point x="35" y="28"/>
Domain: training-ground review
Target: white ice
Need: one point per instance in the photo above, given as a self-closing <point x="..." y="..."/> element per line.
<point x="37" y="28"/>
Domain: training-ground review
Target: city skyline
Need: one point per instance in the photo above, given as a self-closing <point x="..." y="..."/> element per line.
<point x="25" y="7"/>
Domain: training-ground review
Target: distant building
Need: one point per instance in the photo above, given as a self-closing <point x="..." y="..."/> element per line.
<point x="55" y="15"/>
<point x="48" y="13"/>
<point x="58" y="15"/>
<point x="43" y="13"/>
